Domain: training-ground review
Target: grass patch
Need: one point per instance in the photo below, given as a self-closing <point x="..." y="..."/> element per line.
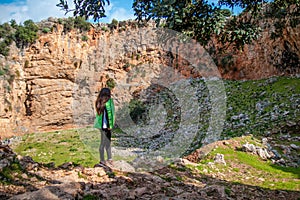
<point x="80" y="146"/>
<point x="251" y="106"/>
<point x="259" y="100"/>
<point x="246" y="168"/>
<point x="59" y="147"/>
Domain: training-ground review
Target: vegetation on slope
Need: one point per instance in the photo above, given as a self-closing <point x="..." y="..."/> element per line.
<point x="27" y="33"/>
<point x="246" y="168"/>
<point x="282" y="94"/>
<point x="58" y="147"/>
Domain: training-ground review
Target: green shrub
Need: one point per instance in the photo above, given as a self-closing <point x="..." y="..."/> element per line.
<point x="104" y="28"/>
<point x="60" y="21"/>
<point x="82" y="24"/>
<point x="46" y="30"/>
<point x="68" y="24"/>
<point x="26" y="34"/>
<point x="2" y="72"/>
<point x="137" y="109"/>
<point x="6" y="38"/>
<point x="84" y="38"/>
<point x="114" y="22"/>
<point x="26" y="65"/>
<point x="111" y="83"/>
<point x="23" y="35"/>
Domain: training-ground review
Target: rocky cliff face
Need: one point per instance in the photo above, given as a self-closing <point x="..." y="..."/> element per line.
<point x="268" y="56"/>
<point x="54" y="82"/>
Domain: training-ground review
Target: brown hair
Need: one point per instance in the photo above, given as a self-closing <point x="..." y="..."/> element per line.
<point x="103" y="97"/>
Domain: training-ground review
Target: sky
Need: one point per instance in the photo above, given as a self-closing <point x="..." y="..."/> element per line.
<point x="37" y="10"/>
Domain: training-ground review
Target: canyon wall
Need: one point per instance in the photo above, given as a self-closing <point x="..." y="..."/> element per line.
<point x="53" y="83"/>
<point x="269" y="56"/>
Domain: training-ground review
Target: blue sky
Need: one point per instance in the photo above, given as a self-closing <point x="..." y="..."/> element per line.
<point x="38" y="10"/>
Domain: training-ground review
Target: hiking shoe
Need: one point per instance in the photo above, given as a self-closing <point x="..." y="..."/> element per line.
<point x="101" y="164"/>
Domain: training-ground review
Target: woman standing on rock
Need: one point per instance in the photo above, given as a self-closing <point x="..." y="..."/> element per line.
<point x="105" y="120"/>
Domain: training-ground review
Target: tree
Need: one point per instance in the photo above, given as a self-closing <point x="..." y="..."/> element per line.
<point x="195" y="18"/>
<point x="26" y="34"/>
<point x="85" y="8"/>
<point x="6" y="38"/>
<point x="284" y="13"/>
<point x="201" y="20"/>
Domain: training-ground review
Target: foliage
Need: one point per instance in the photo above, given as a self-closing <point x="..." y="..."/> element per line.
<point x="78" y="22"/>
<point x="201" y="20"/>
<point x="9" y="76"/>
<point x="68" y="24"/>
<point x="265" y="104"/>
<point x="46" y="30"/>
<point x="114" y="22"/>
<point x="4" y="70"/>
<point x="64" y="146"/>
<point x="82" y="24"/>
<point x="248" y="6"/>
<point x="104" y="28"/>
<point x="8" y="173"/>
<point x="26" y="34"/>
<point x="84" y="38"/>
<point x="286" y="177"/>
<point x="284" y="13"/>
<point x="197" y="19"/>
<point x="85" y="8"/>
<point x="111" y="83"/>
<point x="90" y="197"/>
<point x="136" y="109"/>
<point x="258" y="107"/>
<point x="6" y="37"/>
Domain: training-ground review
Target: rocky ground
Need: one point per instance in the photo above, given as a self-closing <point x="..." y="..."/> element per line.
<point x="23" y="178"/>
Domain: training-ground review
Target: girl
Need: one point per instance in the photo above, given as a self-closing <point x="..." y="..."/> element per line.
<point x="105" y="120"/>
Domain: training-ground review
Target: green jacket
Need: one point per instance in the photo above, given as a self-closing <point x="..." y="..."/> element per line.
<point x="110" y="111"/>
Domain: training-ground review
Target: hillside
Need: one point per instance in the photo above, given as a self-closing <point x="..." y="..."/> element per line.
<point x="66" y="67"/>
<point x="237" y="175"/>
<point x="191" y="124"/>
<point x="258" y="160"/>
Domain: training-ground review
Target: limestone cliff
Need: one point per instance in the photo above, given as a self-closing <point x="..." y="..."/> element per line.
<point x="53" y="83"/>
<point x="275" y="52"/>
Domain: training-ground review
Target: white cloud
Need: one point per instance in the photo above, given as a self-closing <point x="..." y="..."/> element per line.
<point x="115" y="12"/>
<point x="36" y="10"/>
<point x="120" y="14"/>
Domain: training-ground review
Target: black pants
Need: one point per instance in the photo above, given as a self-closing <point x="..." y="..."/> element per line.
<point x="105" y="144"/>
